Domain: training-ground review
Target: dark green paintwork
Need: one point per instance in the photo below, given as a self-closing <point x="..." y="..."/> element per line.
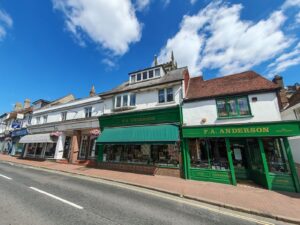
<point x="273" y="129"/>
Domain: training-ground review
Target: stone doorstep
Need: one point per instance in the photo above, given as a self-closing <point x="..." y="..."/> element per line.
<point x="203" y="200"/>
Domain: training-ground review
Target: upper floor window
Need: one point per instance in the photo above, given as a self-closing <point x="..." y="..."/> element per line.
<point x="233" y="107"/>
<point x="133" y="78"/>
<point x="45" y="118"/>
<point x="297" y="113"/>
<point x="125" y="100"/>
<point x="138" y="77"/>
<point x="157" y="72"/>
<point x="145" y="75"/>
<point x="38" y="120"/>
<point x="165" y="95"/>
<point x="63" y="116"/>
<point x="88" y="112"/>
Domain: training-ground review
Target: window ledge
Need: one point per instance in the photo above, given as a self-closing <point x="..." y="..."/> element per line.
<point x="119" y="109"/>
<point x="235" y="117"/>
<point x="166" y="103"/>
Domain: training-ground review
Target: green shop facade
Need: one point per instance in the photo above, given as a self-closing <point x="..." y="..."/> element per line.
<point x="252" y="152"/>
<point x="155" y="142"/>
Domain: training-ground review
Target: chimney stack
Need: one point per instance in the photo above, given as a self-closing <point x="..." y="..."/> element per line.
<point x="279" y="81"/>
<point x="18" y="106"/>
<point x="26" y="103"/>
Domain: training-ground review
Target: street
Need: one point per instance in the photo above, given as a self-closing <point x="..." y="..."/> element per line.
<point x="32" y="197"/>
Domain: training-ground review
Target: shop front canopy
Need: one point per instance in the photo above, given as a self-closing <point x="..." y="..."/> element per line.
<point x="163" y="134"/>
<point x="37" y="138"/>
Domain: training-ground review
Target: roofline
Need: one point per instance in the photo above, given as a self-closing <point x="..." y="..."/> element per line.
<point x="231" y="94"/>
<point x="153" y="85"/>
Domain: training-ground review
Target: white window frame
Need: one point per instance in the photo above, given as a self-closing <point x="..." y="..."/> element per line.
<point x="64" y="116"/>
<point x="165" y="90"/>
<point x="88" y="112"/>
<point x="141" y="73"/>
<point x="122" y="101"/>
<point x="45" y="119"/>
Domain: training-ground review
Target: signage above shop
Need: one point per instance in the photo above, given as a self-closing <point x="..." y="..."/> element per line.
<point x="16" y="124"/>
<point x="21" y="132"/>
<point x="283" y="129"/>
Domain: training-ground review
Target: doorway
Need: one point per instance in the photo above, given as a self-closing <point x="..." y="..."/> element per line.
<point x="67" y="147"/>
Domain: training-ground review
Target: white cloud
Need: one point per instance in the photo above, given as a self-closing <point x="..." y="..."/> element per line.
<point x="217" y="38"/>
<point x="5" y="23"/>
<point x="111" y="24"/>
<point x="285" y="61"/>
<point x="298" y="18"/>
<point x="142" y="4"/>
<point x="108" y="62"/>
<point x="290" y="3"/>
<point x="193" y="1"/>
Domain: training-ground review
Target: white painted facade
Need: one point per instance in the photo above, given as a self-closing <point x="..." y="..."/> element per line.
<point x="292" y="114"/>
<point x="146" y="98"/>
<point x="48" y="120"/>
<point x="265" y="109"/>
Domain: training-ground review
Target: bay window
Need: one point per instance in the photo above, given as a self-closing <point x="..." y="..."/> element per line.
<point x="233" y="107"/>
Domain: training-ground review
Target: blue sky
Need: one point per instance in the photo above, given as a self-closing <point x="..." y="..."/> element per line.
<point x="51" y="48"/>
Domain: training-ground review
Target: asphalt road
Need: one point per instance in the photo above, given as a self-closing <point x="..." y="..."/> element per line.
<point x="29" y="196"/>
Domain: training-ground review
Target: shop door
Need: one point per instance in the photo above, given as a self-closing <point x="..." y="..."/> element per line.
<point x="240" y="159"/>
<point x="67" y="147"/>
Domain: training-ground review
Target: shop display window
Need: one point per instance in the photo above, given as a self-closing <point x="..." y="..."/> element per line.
<point x="208" y="153"/>
<point x="50" y="150"/>
<point x="31" y="149"/>
<point x="276" y="155"/>
<point x="142" y="154"/>
<point x="39" y="149"/>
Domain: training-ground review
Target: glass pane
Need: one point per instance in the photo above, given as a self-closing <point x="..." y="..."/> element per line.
<point x="199" y="153"/>
<point x="238" y="149"/>
<point x="232" y="107"/>
<point x="125" y="100"/>
<point x="165" y="155"/>
<point x="170" y="95"/>
<point x="133" y="78"/>
<point x="145" y="76"/>
<point x="157" y="72"/>
<point x="150" y="73"/>
<point x="221" y="105"/>
<point x="254" y="153"/>
<point x="138" y="77"/>
<point x="275" y="154"/>
<point x="132" y="99"/>
<point x="118" y="102"/>
<point x="219" y="159"/>
<point x="161" y="96"/>
<point x="243" y="106"/>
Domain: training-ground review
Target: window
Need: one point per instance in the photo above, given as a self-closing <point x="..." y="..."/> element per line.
<point x="139" y="77"/>
<point x="165" y="155"/>
<point x="63" y="116"/>
<point x="165" y="95"/>
<point x="88" y="112"/>
<point x="132" y="99"/>
<point x="157" y="72"/>
<point x="208" y="153"/>
<point x="125" y="100"/>
<point x="151" y="74"/>
<point x="38" y="120"/>
<point x="133" y="79"/>
<point x="45" y="118"/>
<point x="83" y="147"/>
<point x="29" y="119"/>
<point x="145" y="76"/>
<point x="161" y="95"/>
<point x="170" y="95"/>
<point x="297" y="113"/>
<point x="233" y="107"/>
<point x="276" y="155"/>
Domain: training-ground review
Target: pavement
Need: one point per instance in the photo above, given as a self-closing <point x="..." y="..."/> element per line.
<point x="282" y="206"/>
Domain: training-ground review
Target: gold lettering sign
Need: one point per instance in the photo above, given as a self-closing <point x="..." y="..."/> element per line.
<point x="243" y="130"/>
<point x="141" y="119"/>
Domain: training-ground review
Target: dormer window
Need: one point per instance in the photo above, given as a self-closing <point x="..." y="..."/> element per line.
<point x="150" y="74"/>
<point x="146" y="75"/>
<point x="133" y="78"/>
<point x="139" y="77"/>
<point x="157" y="72"/>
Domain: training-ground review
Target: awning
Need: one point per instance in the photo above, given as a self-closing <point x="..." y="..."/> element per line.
<point x="37" y="138"/>
<point x="140" y="134"/>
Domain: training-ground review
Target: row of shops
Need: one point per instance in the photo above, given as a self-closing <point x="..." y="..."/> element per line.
<point x="229" y="154"/>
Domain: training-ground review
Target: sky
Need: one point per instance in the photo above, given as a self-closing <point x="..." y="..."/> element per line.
<point x="51" y="48"/>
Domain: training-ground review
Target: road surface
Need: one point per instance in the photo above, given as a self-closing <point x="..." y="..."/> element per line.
<point x="37" y="197"/>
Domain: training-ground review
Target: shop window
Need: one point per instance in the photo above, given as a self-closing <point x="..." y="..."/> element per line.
<point x="208" y="153"/>
<point x="83" y="147"/>
<point x="276" y="155"/>
<point x="31" y="149"/>
<point x="163" y="155"/>
<point x="50" y="150"/>
<point x="88" y="112"/>
<point x="92" y="151"/>
<point x="39" y="149"/>
<point x="254" y="154"/>
<point x="233" y="107"/>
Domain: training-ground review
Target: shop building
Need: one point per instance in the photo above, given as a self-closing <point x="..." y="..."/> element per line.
<point x="65" y="131"/>
<point x="141" y="122"/>
<point x="232" y="133"/>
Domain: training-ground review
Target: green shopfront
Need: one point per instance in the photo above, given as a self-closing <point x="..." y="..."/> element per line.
<point x="238" y="153"/>
<point x="145" y="141"/>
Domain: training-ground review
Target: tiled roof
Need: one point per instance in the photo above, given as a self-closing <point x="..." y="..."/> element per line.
<point x="171" y="76"/>
<point x="245" y="82"/>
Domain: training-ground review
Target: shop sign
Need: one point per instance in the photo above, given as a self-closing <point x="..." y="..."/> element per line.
<point x="255" y="130"/>
<point x="21" y="132"/>
<point x="16" y="124"/>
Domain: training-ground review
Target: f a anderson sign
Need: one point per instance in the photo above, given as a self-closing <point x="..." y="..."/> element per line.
<point x="282" y="129"/>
